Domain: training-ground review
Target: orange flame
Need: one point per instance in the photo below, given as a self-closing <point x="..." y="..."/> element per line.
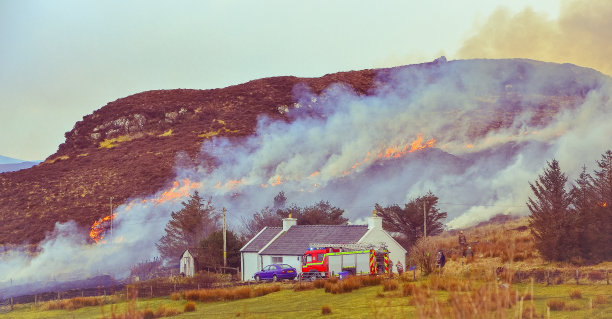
<point x="175" y="192"/>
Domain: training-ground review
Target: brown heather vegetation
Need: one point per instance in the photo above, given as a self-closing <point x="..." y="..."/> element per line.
<point x="229" y="294"/>
<point x="146" y="133"/>
<point x="129" y="147"/>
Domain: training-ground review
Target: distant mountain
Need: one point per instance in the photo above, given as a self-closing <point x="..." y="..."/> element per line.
<point x="12" y="167"/>
<point x="8" y="160"/>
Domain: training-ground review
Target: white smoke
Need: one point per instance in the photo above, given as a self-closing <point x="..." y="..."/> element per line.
<point x="495" y="123"/>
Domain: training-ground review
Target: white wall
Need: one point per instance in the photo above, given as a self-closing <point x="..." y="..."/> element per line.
<point x="250" y="265"/>
<point x="396" y="251"/>
<point x="187" y="264"/>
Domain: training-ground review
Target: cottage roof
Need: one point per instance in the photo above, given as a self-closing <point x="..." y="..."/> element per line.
<point x="295" y="240"/>
<point x="261" y="239"/>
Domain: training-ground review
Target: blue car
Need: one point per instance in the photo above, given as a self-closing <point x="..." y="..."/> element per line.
<point x="276" y="272"/>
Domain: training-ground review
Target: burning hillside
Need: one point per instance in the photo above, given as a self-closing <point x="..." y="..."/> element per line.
<point x="473" y="132"/>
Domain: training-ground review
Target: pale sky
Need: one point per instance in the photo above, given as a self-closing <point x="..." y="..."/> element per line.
<point x="62" y="60"/>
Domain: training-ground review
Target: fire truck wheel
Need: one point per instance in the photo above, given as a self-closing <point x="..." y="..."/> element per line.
<point x="275" y="279"/>
<point x="257" y="278"/>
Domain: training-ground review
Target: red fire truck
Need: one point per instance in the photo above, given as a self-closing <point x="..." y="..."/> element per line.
<point x="329" y="260"/>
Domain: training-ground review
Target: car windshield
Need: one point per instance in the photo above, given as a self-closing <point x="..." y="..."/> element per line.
<point x="285" y="266"/>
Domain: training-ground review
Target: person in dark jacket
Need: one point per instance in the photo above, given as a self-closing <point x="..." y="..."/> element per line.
<point x="440" y="260"/>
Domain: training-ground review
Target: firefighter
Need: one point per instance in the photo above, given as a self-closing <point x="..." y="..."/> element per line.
<point x="440" y="261"/>
<point x="399" y="267"/>
<point x="462" y="243"/>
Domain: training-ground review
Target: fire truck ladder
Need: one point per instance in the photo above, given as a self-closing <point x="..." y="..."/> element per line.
<point x="354" y="246"/>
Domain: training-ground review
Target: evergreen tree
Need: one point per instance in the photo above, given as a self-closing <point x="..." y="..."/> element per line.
<point x="584" y="204"/>
<point x="211" y="250"/>
<point x="187" y="227"/>
<point x="408" y="221"/>
<point x="321" y="213"/>
<point x="551" y="216"/>
<point x="602" y="211"/>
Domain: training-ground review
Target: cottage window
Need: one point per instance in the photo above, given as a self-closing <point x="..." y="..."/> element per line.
<point x="277" y="260"/>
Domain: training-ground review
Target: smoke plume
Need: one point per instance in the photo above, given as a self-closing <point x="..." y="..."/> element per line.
<point x="581" y="35"/>
<point x="473" y="132"/>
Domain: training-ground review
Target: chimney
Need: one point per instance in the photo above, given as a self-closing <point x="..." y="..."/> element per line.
<point x="288" y="222"/>
<point x="375" y="222"/>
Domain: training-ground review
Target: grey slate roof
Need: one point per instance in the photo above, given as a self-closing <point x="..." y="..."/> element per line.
<point x="295" y="241"/>
<point x="262" y="240"/>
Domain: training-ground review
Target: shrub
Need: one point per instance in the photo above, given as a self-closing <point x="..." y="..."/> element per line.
<point x="301" y="286"/>
<point x="326" y="310"/>
<point x="175" y="296"/>
<point x="600" y="300"/>
<point x="389" y="285"/>
<point x="369" y="280"/>
<point x="190" y="306"/>
<point x="529" y="312"/>
<point x="148" y="314"/>
<point x="596" y="275"/>
<point x="408" y="289"/>
<point x="555" y="304"/>
<point x="575" y="294"/>
<point x="423" y="254"/>
<point x="572" y="307"/>
<point x="319" y="283"/>
<point x="162" y="311"/>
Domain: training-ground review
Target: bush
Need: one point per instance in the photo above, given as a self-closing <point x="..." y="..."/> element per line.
<point x="408" y="289"/>
<point x="572" y="307"/>
<point x="190" y="306"/>
<point x="148" y="314"/>
<point x="301" y="286"/>
<point x="555" y="304"/>
<point x="600" y="300"/>
<point x="326" y="310"/>
<point x="575" y="294"/>
<point x="389" y="285"/>
<point x="162" y="311"/>
<point x="319" y="283"/>
<point x="369" y="280"/>
<point x="423" y="254"/>
<point x="175" y="296"/>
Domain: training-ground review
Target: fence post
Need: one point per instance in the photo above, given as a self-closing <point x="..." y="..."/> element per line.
<point x="151" y="290"/>
<point x="547" y="277"/>
<point x="11" y="303"/>
<point x="576" y="276"/>
<point x="607" y="278"/>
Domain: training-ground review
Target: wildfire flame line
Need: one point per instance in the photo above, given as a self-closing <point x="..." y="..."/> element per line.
<point x="96" y="232"/>
<point x="178" y="191"/>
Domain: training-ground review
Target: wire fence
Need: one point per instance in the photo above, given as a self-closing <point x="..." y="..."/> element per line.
<point x="6" y="306"/>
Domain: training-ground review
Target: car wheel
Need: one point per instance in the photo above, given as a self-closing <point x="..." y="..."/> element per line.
<point x="257" y="278"/>
<point x="274" y="278"/>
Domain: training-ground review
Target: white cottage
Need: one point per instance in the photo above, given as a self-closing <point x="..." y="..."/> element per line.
<point x="287" y="244"/>
<point x="188" y="264"/>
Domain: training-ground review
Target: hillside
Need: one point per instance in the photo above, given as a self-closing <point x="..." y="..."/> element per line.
<point x="130" y="147"/>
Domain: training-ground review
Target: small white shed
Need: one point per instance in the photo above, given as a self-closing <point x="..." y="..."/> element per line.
<point x="187" y="264"/>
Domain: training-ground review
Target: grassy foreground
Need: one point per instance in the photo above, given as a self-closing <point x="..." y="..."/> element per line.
<point x="428" y="298"/>
<point x="468" y="288"/>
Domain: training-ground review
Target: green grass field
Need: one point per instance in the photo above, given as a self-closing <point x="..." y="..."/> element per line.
<point x="366" y="302"/>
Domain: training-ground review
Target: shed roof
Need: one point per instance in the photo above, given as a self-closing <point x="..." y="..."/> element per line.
<point x="261" y="240"/>
<point x="295" y="241"/>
